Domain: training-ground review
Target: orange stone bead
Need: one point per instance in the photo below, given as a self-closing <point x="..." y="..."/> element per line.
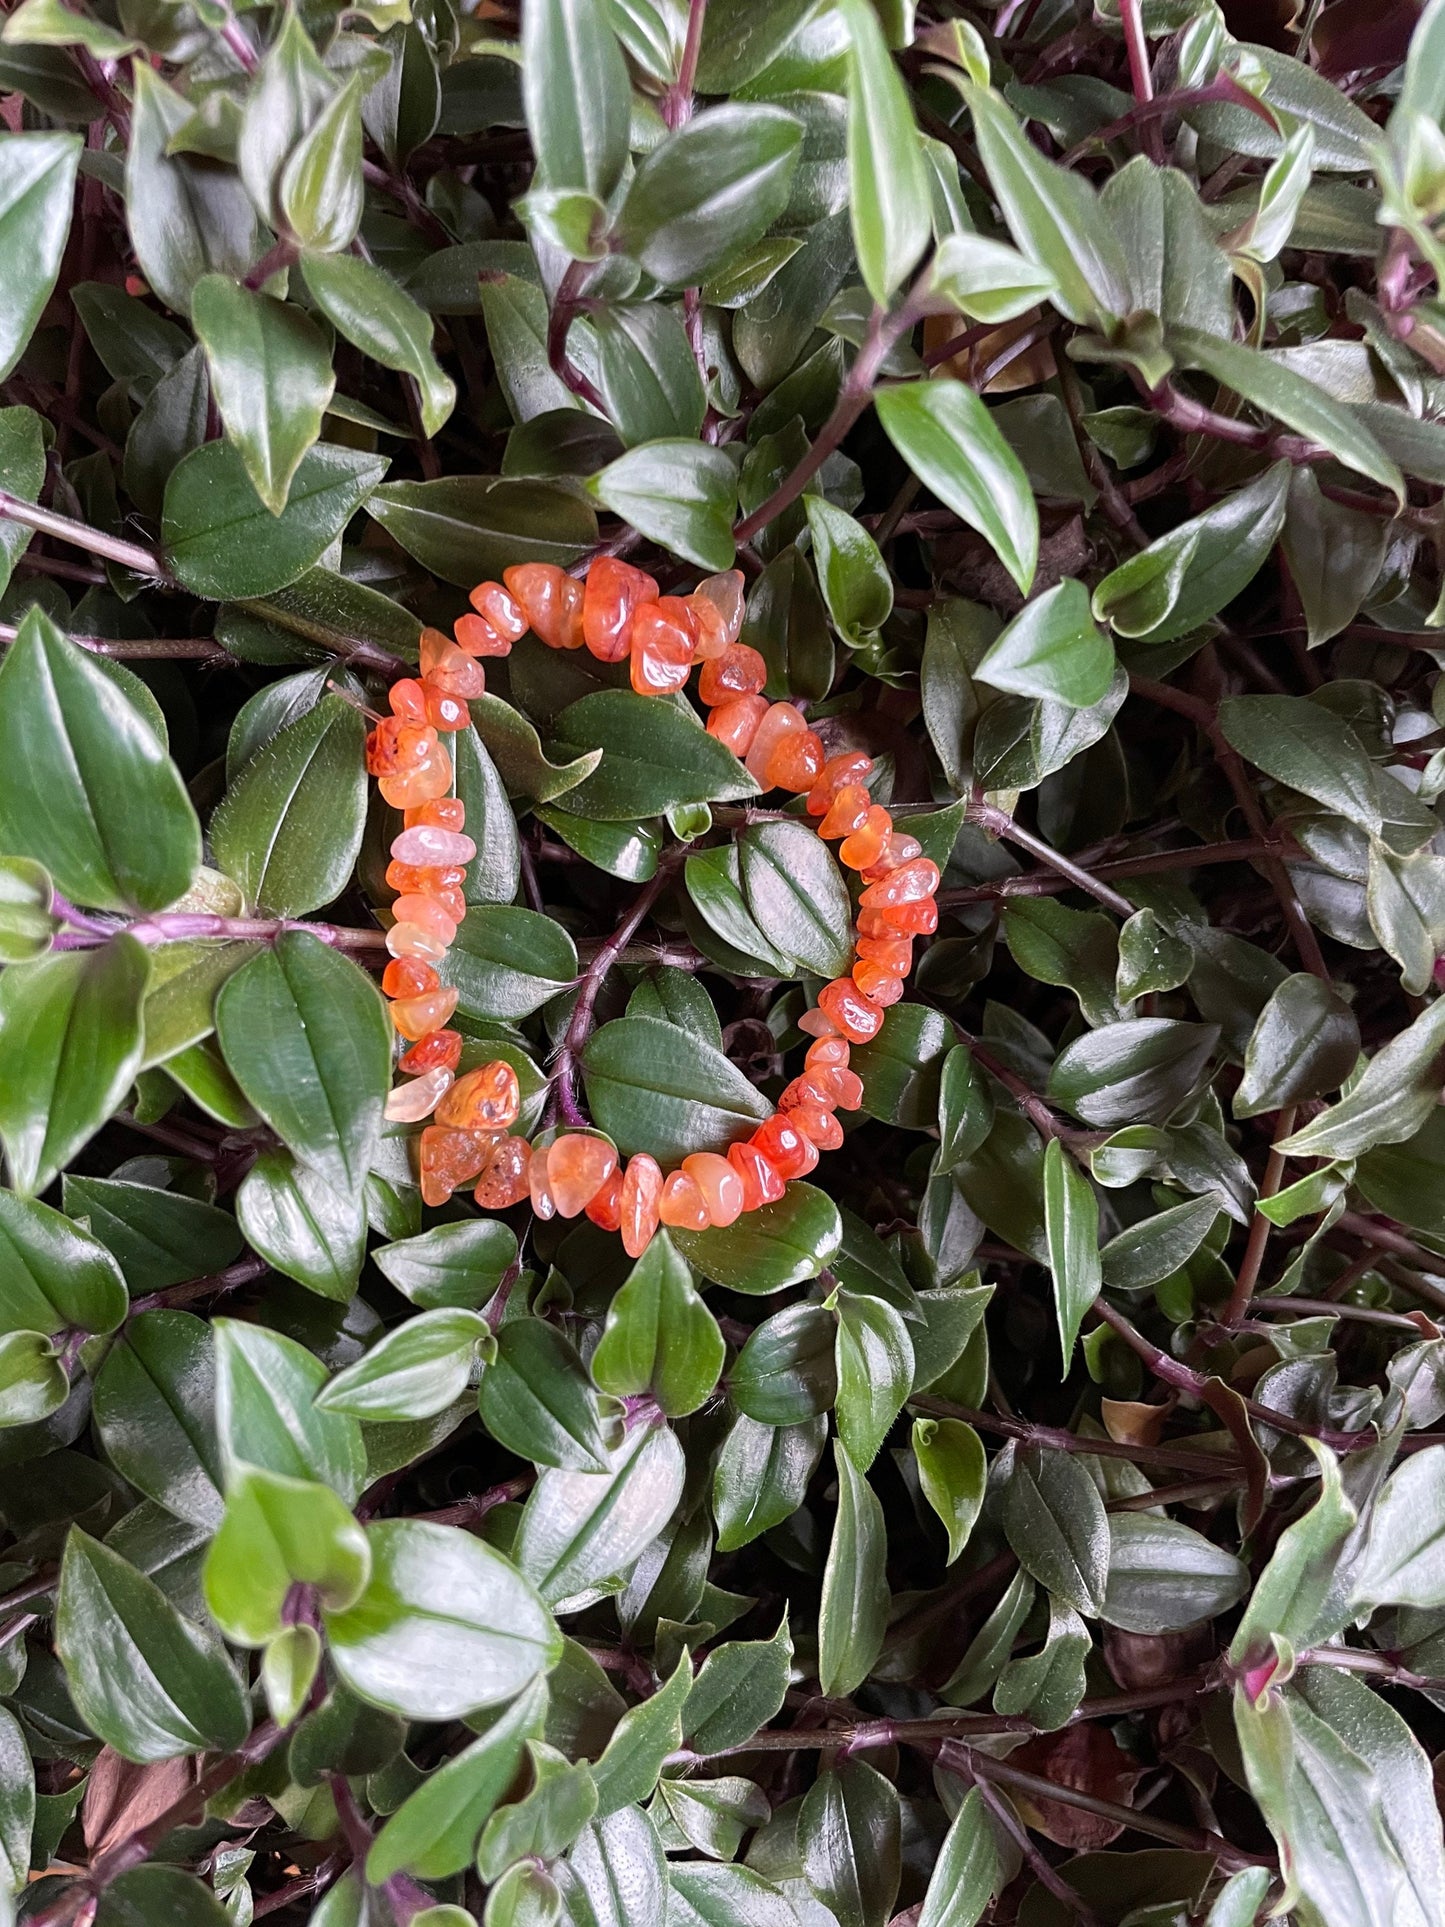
<point x="817" y="1023"/>
<point x="412" y="940"/>
<point x="735" y="724"/>
<point x="408" y="700"/>
<point x="720" y="1185"/>
<point x="831" y="1053"/>
<point x="476" y="637"/>
<point x="422" y="784"/>
<point x="408" y="977"/>
<point x="911" y="883"/>
<point x="409" y="1103"/>
<point x="900" y="920"/>
<point x="438" y="1050"/>
<point x="847" y="1087"/>
<point x="577" y="1168"/>
<point x="796" y="761"/>
<point x="781" y="720"/>
<point x="818" y="1124"/>
<point x="851" y="767"/>
<point x="427" y="878"/>
<point x="448" y="1159"/>
<point x="444" y="712"/>
<point x="850" y="1010"/>
<point x="717" y="606"/>
<point x="500" y="608"/>
<point x="445" y="666"/>
<point x="683" y="1205"/>
<point x="613" y="592"/>
<point x="791" y="1154"/>
<point x="551" y="601"/>
<point x="428" y="913"/>
<point x="847" y="812"/>
<point x="397" y="745"/>
<point x="504" y="1180"/>
<point x="897" y="850"/>
<point x="540" y="1191"/>
<point x="605" y="1208"/>
<point x="417" y="1017"/>
<point x="878" y="985"/>
<point x="865" y="844"/>
<point x="438" y="813"/>
<point x="761" y="1183"/>
<point x="639" y="1203"/>
<point x="738" y="671"/>
<point x="812" y="1087"/>
<point x="894" y="953"/>
<point x="663" y="638"/>
<point x="486" y="1099"/>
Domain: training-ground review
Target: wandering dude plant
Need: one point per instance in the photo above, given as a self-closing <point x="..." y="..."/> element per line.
<point x="721" y="898"/>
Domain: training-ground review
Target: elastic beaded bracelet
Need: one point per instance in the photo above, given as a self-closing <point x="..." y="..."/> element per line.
<point x="618" y="615"/>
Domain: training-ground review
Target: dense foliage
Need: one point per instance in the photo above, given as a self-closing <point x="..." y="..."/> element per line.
<point x="1036" y="1514"/>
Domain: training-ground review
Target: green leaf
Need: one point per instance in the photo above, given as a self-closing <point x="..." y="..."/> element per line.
<point x="22" y="471"/>
<point x="849" y="1840"/>
<point x="680" y="494"/>
<point x="444" y="1626"/>
<point x="223" y="542"/>
<point x="777" y="1245"/>
<point x="278" y="1533"/>
<point x="652" y="1086"/>
<point x="1302" y="1596"/>
<point x="647" y="373"/>
<point x="761" y="1476"/>
<point x="1311" y="748"/>
<point x="434" y="1832"/>
<point x="159" y="1237"/>
<point x="466" y="528"/>
<point x="266" y="1415"/>
<point x="853" y="576"/>
<point x="1045" y="1687"/>
<point x="853" y="1612"/>
<point x="37" y="188"/>
<point x="117" y="831"/>
<point x="154" y="1401"/>
<point x="33" y="1383"/>
<point x="1053" y="215"/>
<point x="708" y="191"/>
<point x="1403" y="1563"/>
<point x="577" y="95"/>
<point x="947" y="437"/>
<point x="888" y="188"/>
<point x="654" y="758"/>
<point x="368" y="308"/>
<point x="966" y="1874"/>
<point x="1144" y="1253"/>
<point x="1394" y="1095"/>
<point x="305" y="1035"/>
<point x="1052" y="649"/>
<point x="320" y="189"/>
<point x="1071" y="1226"/>
<point x="632" y="1761"/>
<point x="452" y="1264"/>
<point x="986" y="280"/>
<point x="187" y="217"/>
<point x="302" y="1226"/>
<point x="787" y="1370"/>
<point x="17" y="1804"/>
<point x="70" y="1027"/>
<point x="55" y="1275"/>
<point x="271" y="377"/>
<point x="875" y="1373"/>
<point x="1306" y="1042"/>
<point x="1191" y="572"/>
<point x="417" y="1370"/>
<point x="740" y="1688"/>
<point x="796" y="893"/>
<point x="158" y="1892"/>
<point x="1054" y="1519"/>
<point x="952" y="1471"/>
<point x="289" y="828"/>
<point x="507" y="962"/>
<point x="1076" y="948"/>
<point x="659" y="1336"/>
<point x="582" y="1528"/>
<point x="1300" y="404"/>
<point x="1164" y="1577"/>
<point x="1138" y="1071"/>
<point x="538" y="1401"/>
<point x="146" y="1680"/>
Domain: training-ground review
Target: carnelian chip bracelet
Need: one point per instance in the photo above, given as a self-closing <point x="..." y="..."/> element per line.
<point x="619" y="615"/>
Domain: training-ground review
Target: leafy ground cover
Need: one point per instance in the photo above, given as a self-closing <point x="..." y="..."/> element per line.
<point x="1036" y="1515"/>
